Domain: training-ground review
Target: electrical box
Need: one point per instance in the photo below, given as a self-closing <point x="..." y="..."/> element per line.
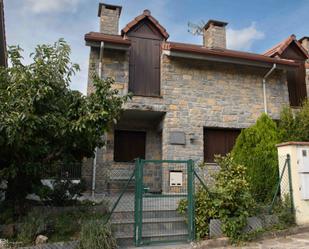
<point x="175" y="178"/>
<point x="303" y="170"/>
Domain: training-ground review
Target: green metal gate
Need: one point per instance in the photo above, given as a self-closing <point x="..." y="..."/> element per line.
<point x="160" y="185"/>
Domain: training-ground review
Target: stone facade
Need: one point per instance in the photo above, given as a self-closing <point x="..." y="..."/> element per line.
<point x="109" y="19"/>
<point x="193" y="96"/>
<point x="214" y="36"/>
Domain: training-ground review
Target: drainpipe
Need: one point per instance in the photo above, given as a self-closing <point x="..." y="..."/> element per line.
<point x="264" y="86"/>
<point x="94" y="166"/>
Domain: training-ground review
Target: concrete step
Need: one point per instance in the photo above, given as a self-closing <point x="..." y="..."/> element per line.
<point x="157" y="226"/>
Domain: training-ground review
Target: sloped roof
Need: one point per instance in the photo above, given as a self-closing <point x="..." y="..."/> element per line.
<point x="98" y="37"/>
<point x="282" y="46"/>
<point x="198" y="49"/>
<point x="146" y="15"/>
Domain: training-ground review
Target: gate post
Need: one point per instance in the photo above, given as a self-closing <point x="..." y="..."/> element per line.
<point x="137" y="203"/>
<point x="191" y="212"/>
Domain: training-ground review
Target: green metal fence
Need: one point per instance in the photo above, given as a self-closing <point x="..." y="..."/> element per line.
<point x="160" y="185"/>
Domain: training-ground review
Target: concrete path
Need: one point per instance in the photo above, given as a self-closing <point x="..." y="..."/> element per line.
<point x="297" y="241"/>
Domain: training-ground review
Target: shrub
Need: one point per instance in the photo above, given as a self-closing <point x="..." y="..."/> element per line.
<point x="233" y="198"/>
<point x="230" y="201"/>
<point x="294" y="125"/>
<point x="62" y="192"/>
<point x="255" y="148"/>
<point x="95" y="234"/>
<point x="204" y="211"/>
<point x="33" y="224"/>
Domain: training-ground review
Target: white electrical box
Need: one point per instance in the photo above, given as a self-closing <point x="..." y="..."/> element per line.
<point x="303" y="159"/>
<point x="303" y="170"/>
<point x="175" y="178"/>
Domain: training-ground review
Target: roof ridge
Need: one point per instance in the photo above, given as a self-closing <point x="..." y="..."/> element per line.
<point x="280" y="47"/>
<point x="146" y="14"/>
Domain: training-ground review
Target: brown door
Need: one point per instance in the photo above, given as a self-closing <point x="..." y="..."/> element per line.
<point x="129" y="145"/>
<point x="218" y="142"/>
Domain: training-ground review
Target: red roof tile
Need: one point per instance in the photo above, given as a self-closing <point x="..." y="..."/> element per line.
<point x="281" y="47"/>
<point x="146" y="14"/>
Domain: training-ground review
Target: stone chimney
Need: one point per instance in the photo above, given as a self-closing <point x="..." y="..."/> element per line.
<point x="214" y="34"/>
<point x="305" y="42"/>
<point x="109" y="18"/>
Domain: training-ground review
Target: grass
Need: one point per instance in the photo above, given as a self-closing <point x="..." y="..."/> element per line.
<point x="57" y="224"/>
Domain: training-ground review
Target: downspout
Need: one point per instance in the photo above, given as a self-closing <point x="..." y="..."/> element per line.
<point x="264" y="85"/>
<point x="94" y="166"/>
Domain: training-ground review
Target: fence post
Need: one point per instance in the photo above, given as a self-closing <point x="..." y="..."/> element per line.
<point x="137" y="222"/>
<point x="191" y="215"/>
<point x="288" y="158"/>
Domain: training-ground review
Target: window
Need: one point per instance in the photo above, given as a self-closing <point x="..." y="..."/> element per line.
<point x="218" y="141"/>
<point x="129" y="145"/>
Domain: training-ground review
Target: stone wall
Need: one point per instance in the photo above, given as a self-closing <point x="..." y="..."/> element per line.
<point x="213" y="95"/>
<point x="109" y="20"/>
<point x="194" y="95"/>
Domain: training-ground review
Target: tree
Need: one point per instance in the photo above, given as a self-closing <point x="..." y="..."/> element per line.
<point x="43" y="121"/>
<point x="294" y="125"/>
<point x="255" y="148"/>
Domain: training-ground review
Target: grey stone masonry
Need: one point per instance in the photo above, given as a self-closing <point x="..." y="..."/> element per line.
<point x="109" y="19"/>
<point x="214" y="36"/>
<point x="194" y="94"/>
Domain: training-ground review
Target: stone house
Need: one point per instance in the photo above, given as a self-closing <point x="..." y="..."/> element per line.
<point x="189" y="101"/>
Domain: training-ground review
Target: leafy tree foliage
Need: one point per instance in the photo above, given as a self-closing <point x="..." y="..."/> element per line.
<point x="43" y="121"/>
<point x="294" y="125"/>
<point x="255" y="148"/>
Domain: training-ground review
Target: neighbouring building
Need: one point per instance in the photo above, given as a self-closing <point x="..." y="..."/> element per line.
<point x="189" y="101"/>
<point x="3" y="54"/>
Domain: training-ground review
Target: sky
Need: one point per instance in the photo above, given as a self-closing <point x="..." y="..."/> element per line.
<point x="253" y="25"/>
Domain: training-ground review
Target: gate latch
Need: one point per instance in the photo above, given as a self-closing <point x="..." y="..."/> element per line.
<point x="146" y="189"/>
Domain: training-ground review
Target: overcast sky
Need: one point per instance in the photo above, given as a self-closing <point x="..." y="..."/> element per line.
<point x="254" y="25"/>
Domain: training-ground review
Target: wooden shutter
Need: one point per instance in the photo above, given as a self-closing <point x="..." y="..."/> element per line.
<point x="144" y="74"/>
<point x="297" y="85"/>
<point x="218" y="142"/>
<point x="129" y="145"/>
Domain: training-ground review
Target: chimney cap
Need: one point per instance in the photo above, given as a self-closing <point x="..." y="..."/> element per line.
<point x="215" y="23"/>
<point x="108" y="6"/>
<point x="303" y="38"/>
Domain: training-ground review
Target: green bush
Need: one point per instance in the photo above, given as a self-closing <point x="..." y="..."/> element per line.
<point x="204" y="211"/>
<point x="33" y="224"/>
<point x="294" y="125"/>
<point x="233" y="198"/>
<point x="229" y="200"/>
<point x="95" y="234"/>
<point x="255" y="148"/>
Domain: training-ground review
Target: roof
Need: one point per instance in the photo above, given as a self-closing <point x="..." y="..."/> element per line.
<point x="146" y="15"/>
<point x="215" y="23"/>
<point x="191" y="48"/>
<point x="293" y="143"/>
<point x="282" y="46"/>
<point x="183" y="47"/>
<point x="98" y="37"/>
<point x="108" y="6"/>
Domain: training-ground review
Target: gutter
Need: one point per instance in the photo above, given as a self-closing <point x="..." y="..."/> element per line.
<point x="94" y="166"/>
<point x="264" y="86"/>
